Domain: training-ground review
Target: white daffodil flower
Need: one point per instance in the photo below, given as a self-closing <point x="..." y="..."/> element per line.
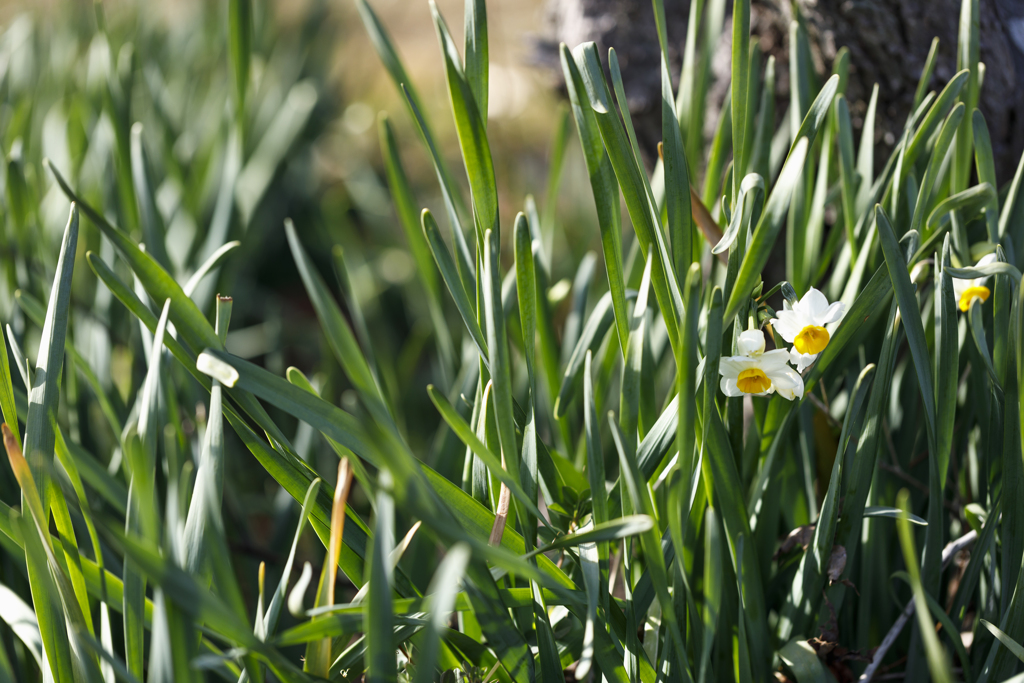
<point x="804" y="326"/>
<point x="967" y="291"/>
<point x="759" y="372"/>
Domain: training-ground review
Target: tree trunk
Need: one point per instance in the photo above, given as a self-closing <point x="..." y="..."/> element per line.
<point x="888" y="42"/>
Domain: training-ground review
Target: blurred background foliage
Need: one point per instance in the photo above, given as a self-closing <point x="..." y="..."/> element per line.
<point x="89" y="86"/>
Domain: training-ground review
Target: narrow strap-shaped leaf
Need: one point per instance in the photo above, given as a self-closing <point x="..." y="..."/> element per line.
<point x="685" y="411"/>
<point x="910" y="312"/>
<point x="912" y="321"/>
<point x="274" y="609"/>
<point x="630" y="525"/>
<point x="986" y="168"/>
<point x="977" y="324"/>
<point x="339" y="334"/>
<point x="846" y="173"/>
<point x="480" y="449"/>
<point x="937" y="660"/>
<point x="355" y="311"/>
<point x="577" y="313"/>
<point x="477" y="65"/>
<point x="721" y="478"/>
<point x="1011" y="207"/>
<point x="450" y="275"/>
<point x="208" y="266"/>
<point x="149" y="426"/>
<point x="469" y="122"/>
<point x="863" y="464"/>
<point x="746" y="213"/>
<point x="673" y="158"/>
<point x="526" y="290"/>
<point x="967" y="203"/>
<point x="67" y="461"/>
<point x="45" y="614"/>
<point x="46" y="600"/>
<point x="800" y="92"/>
<point x="947" y="353"/>
<point x="380" y="652"/>
<point x="927" y="72"/>
<point x="712" y="588"/>
<point x="600" y="321"/>
<point x="7" y="406"/>
<point x="240" y="48"/>
<point x="967" y="53"/>
<point x="866" y="153"/>
<point x="717" y="158"/>
<point x="803" y="599"/>
<point x="987" y="270"/>
<point x="767" y="228"/>
<point x="406" y="208"/>
<point x="816" y="114"/>
<point x="760" y="153"/>
<point x="464" y="261"/>
<point x="43" y="395"/>
<point x="938" y="111"/>
<point x="72" y="564"/>
<point x="592" y="442"/>
<point x="629" y="392"/>
<point x="151" y="222"/>
<point x="58" y="610"/>
<point x="497" y="343"/>
<point x="590" y="565"/>
<point x="1009" y="643"/>
<point x="442" y="594"/>
<point x="209" y="486"/>
<point x="651" y="544"/>
<point x="22" y="363"/>
<point x="738" y="86"/>
<point x="931" y="174"/>
<point x="634" y="185"/>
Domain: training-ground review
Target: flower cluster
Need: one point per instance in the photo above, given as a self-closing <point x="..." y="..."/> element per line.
<point x="805" y="325"/>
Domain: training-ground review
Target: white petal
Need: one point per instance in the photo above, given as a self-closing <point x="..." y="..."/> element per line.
<point x="729" y="387"/>
<point x="750" y="343"/>
<point x="814" y="303"/>
<point x="731" y="367"/>
<point x="801" y="361"/>
<point x="832" y="314"/>
<point x="789" y="324"/>
<point x="799" y="390"/>
<point x="960" y="286"/>
<point x="787" y="394"/>
<point x="789" y="384"/>
<point x="984" y="261"/>
<point x="774" y="358"/>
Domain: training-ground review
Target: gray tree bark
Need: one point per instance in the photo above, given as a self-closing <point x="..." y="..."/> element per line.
<point x="888" y="42"/>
